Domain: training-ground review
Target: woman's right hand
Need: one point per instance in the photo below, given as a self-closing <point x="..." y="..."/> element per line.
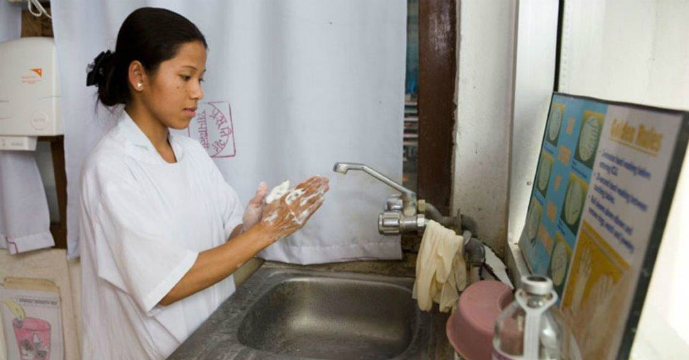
<point x="289" y="214"/>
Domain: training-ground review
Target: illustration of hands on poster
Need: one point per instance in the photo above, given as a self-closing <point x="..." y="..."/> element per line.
<point x="594" y="300"/>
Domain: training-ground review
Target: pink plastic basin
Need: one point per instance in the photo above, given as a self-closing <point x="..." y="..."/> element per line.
<point x="470" y="328"/>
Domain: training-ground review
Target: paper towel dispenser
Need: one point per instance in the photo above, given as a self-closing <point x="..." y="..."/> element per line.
<point x="29" y="92"/>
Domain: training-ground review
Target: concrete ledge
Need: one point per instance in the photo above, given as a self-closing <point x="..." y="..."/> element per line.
<point x="516" y="266"/>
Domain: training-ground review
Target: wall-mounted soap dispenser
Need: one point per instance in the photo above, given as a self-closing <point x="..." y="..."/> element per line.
<point x="29" y="93"/>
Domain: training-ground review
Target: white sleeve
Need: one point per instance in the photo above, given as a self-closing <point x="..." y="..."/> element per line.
<point x="230" y="205"/>
<point x="131" y="249"/>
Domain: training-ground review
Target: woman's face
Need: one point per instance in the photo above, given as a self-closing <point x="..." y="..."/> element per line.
<point x="173" y="92"/>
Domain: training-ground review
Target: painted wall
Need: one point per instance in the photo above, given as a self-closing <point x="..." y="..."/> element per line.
<point x="633" y="50"/>
<point x="485" y="83"/>
<point x="664" y="326"/>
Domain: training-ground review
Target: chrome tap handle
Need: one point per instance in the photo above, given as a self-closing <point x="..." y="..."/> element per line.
<point x="408" y="196"/>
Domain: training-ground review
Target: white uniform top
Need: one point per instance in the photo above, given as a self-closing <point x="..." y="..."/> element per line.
<point x="143" y="222"/>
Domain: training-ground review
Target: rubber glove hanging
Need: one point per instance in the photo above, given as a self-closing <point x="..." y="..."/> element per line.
<point x="254" y="210"/>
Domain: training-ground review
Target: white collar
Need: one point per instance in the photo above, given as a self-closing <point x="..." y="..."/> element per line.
<point x="133" y="135"/>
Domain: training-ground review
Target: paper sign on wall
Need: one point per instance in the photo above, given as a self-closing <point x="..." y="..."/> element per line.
<point x="31" y="319"/>
<point x="603" y="172"/>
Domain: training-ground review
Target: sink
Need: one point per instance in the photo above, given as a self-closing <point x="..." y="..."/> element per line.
<point x="331" y="318"/>
<point x="305" y="314"/>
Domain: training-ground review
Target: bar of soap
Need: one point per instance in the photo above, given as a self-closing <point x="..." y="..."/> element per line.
<point x="278" y="192"/>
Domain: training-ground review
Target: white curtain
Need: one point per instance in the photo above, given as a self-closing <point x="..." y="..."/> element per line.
<point x="10" y="21"/>
<point x="292" y="87"/>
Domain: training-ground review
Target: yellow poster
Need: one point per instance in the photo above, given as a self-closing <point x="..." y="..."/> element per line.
<point x="594" y="294"/>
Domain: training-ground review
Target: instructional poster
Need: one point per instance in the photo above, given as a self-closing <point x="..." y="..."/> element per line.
<point x="603" y="170"/>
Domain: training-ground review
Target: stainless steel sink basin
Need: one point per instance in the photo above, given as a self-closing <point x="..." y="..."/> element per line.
<point x="331" y="318"/>
<point x="296" y="314"/>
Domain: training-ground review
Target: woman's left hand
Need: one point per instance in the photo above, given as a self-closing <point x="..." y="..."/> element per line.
<point x="254" y="210"/>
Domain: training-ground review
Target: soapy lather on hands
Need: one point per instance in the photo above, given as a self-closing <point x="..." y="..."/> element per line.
<point x="285" y="210"/>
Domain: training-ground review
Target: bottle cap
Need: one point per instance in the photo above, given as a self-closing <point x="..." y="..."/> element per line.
<point x="537" y="285"/>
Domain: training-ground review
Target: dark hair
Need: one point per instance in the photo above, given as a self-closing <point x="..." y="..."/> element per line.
<point x="149" y="35"/>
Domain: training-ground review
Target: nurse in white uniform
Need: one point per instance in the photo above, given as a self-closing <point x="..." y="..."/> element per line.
<point x="161" y="231"/>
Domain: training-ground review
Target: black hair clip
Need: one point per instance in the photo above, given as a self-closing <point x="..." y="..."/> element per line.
<point x="94" y="71"/>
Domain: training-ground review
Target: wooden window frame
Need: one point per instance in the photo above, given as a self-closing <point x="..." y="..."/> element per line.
<point x="437" y="83"/>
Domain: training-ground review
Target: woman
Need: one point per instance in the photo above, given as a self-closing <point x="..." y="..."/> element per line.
<point x="161" y="232"/>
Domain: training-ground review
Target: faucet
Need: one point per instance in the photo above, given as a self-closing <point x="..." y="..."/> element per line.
<point x="400" y="212"/>
<point x="408" y="196"/>
<point x="404" y="213"/>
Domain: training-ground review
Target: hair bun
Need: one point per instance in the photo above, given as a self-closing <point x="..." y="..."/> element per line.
<point x="94" y="71"/>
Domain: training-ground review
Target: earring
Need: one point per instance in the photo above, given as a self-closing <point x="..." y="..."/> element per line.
<point x="138" y="85"/>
